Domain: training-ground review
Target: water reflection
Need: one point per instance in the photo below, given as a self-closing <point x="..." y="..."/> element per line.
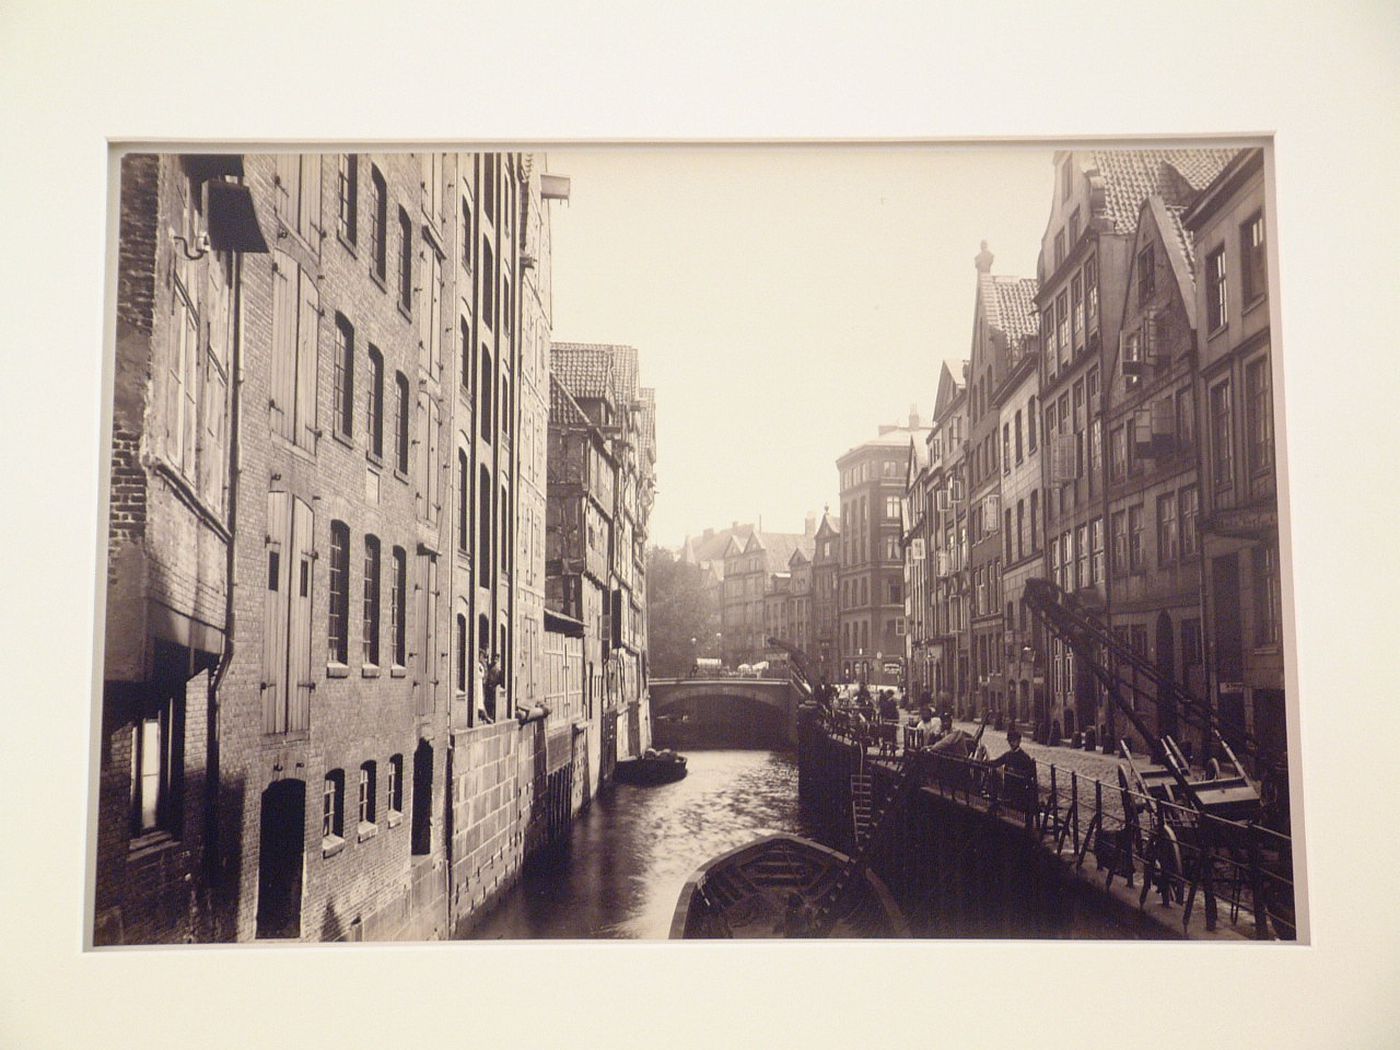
<point x="630" y="853"/>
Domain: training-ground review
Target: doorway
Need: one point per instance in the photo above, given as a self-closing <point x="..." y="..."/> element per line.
<point x="281" y="843"/>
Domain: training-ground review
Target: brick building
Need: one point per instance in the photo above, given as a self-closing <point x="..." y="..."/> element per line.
<point x="291" y="417"/>
<point x="1229" y="222"/>
<point x="1003" y="325"/>
<point x="1153" y="575"/>
<point x="872" y="576"/>
<point x="947" y="646"/>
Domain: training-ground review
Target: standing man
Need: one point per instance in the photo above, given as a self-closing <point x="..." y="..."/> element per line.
<point x="1019" y="782"/>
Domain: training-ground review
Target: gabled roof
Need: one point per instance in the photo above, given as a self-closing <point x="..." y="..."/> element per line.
<point x="1129" y="176"/>
<point x="699" y="550"/>
<point x="1008" y="304"/>
<point x="621" y="363"/>
<point x="830" y="523"/>
<point x="585" y="370"/>
<point x="1176" y="242"/>
<point x="948" y="390"/>
<point x="799" y="557"/>
<point x="563" y="409"/>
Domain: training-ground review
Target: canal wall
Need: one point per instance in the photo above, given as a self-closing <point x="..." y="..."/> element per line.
<point x="957" y="870"/>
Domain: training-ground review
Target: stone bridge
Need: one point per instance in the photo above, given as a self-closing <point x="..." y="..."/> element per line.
<point x="723" y="712"/>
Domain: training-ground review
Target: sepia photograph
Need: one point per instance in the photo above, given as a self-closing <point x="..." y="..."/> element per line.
<point x="734" y="525"/>
<point x="675" y="543"/>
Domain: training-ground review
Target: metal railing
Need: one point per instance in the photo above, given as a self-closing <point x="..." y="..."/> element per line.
<point x="1192" y="861"/>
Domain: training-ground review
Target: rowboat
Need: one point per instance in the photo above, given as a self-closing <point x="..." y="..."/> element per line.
<point x="778" y="886"/>
<point x="660" y="768"/>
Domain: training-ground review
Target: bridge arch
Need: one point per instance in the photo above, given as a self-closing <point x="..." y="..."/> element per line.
<point x="723" y="712"/>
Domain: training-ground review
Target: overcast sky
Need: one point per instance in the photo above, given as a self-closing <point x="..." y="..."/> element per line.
<point x="784" y="302"/>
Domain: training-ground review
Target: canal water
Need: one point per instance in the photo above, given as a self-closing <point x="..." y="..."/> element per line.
<point x="630" y="852"/>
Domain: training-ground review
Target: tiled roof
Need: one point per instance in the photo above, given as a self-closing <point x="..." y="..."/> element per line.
<point x="586" y="371"/>
<point x="1130" y="176"/>
<point x="778" y="548"/>
<point x="701" y="549"/>
<point x="1182" y="236"/>
<point x="622" y="361"/>
<point x="563" y="409"/>
<point x="1009" y="303"/>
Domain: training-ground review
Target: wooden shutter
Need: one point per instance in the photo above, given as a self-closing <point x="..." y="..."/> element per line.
<point x="307" y="355"/>
<point x="299" y="620"/>
<point x="284" y="344"/>
<point x="287" y="177"/>
<point x="309" y="216"/>
<point x="277" y="583"/>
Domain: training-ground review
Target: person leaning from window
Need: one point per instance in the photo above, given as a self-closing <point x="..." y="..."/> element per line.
<point x="1018" y="772"/>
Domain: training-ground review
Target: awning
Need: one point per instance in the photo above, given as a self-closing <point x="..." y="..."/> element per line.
<point x="204" y="166"/>
<point x="233" y="221"/>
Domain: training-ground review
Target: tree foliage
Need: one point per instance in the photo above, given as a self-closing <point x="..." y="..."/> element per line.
<point x="680" y="607"/>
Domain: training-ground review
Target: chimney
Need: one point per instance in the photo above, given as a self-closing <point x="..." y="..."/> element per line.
<point x="983" y="262"/>
<point x="914" y="421"/>
<point x="708" y="533"/>
<point x="734" y="526"/>
<point x="809" y="526"/>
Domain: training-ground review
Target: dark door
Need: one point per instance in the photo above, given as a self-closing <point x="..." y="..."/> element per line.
<point x="281" y="841"/>
<point x="1229" y="648"/>
<point x="422" y="827"/>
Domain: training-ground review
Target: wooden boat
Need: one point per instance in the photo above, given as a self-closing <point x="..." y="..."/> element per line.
<point x="774" y="888"/>
<point x="662" y="767"/>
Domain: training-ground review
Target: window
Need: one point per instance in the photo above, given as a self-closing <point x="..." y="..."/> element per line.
<point x="895" y="594"/>
<point x="333" y="808"/>
<point x="1268" y="612"/>
<point x="367" y="793"/>
<point x="1031" y="425"/>
<point x="1190" y="505"/>
<point x="405" y="262"/>
<point x="1059" y="248"/>
<point x="1074" y="227"/>
<point x="1008" y="539"/>
<point x="488" y="284"/>
<point x="1254" y="280"/>
<point x="1097" y="572"/>
<point x="401" y="424"/>
<point x="1185" y="418"/>
<point x="1066" y="178"/>
<point x="1119" y="523"/>
<point x="1076" y="296"/>
<point x="1006" y="448"/>
<point x="348" y="183"/>
<point x="1081" y="554"/>
<point x="1146" y="276"/>
<point x="1135" y="539"/>
<point x="1117" y="454"/>
<point x="488" y="185"/>
<point x="344" y="376"/>
<point x="1091" y="291"/>
<point x="462" y="655"/>
<point x="398" y="607"/>
<point x="1020" y="454"/>
<point x="157" y="768"/>
<point x="1217" y="294"/>
<point x="486" y="391"/>
<point x="1067" y="560"/>
<point x="463" y="503"/>
<point x="467" y="368"/>
<point x="339" y="608"/>
<point x="370" y="617"/>
<point x="468" y="234"/>
<point x="1035" y="520"/>
<point x="394" y="793"/>
<point x="296" y="306"/>
<point x="891" y="508"/>
<point x="1166" y="529"/>
<point x="506" y="414"/>
<point x="1221" y="437"/>
<point x="892" y="551"/>
<point x="1047" y="326"/>
<point x="374" y="404"/>
<point x="378" y="224"/>
<point x="1258" y="418"/>
<point x="485" y="562"/>
<point x="1062" y="326"/>
<point x="286" y="662"/>
<point x="1190" y="643"/>
<point x="1056" y="576"/>
<point x="1095" y="452"/>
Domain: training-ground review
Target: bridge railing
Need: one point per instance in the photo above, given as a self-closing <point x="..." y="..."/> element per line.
<point x="1193" y="862"/>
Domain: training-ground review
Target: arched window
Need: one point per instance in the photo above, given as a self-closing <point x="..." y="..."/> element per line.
<point x="374" y="404"/>
<point x="398" y="606"/>
<point x="333" y="808"/>
<point x="339" y="604"/>
<point x="463" y="503"/>
<point x="370" y="633"/>
<point x="401" y="417"/>
<point x="395" y="786"/>
<point x="484" y="519"/>
<point x="462" y="655"/>
<point x="485" y="391"/>
<point x="344" y="376"/>
<point x="368" y="785"/>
